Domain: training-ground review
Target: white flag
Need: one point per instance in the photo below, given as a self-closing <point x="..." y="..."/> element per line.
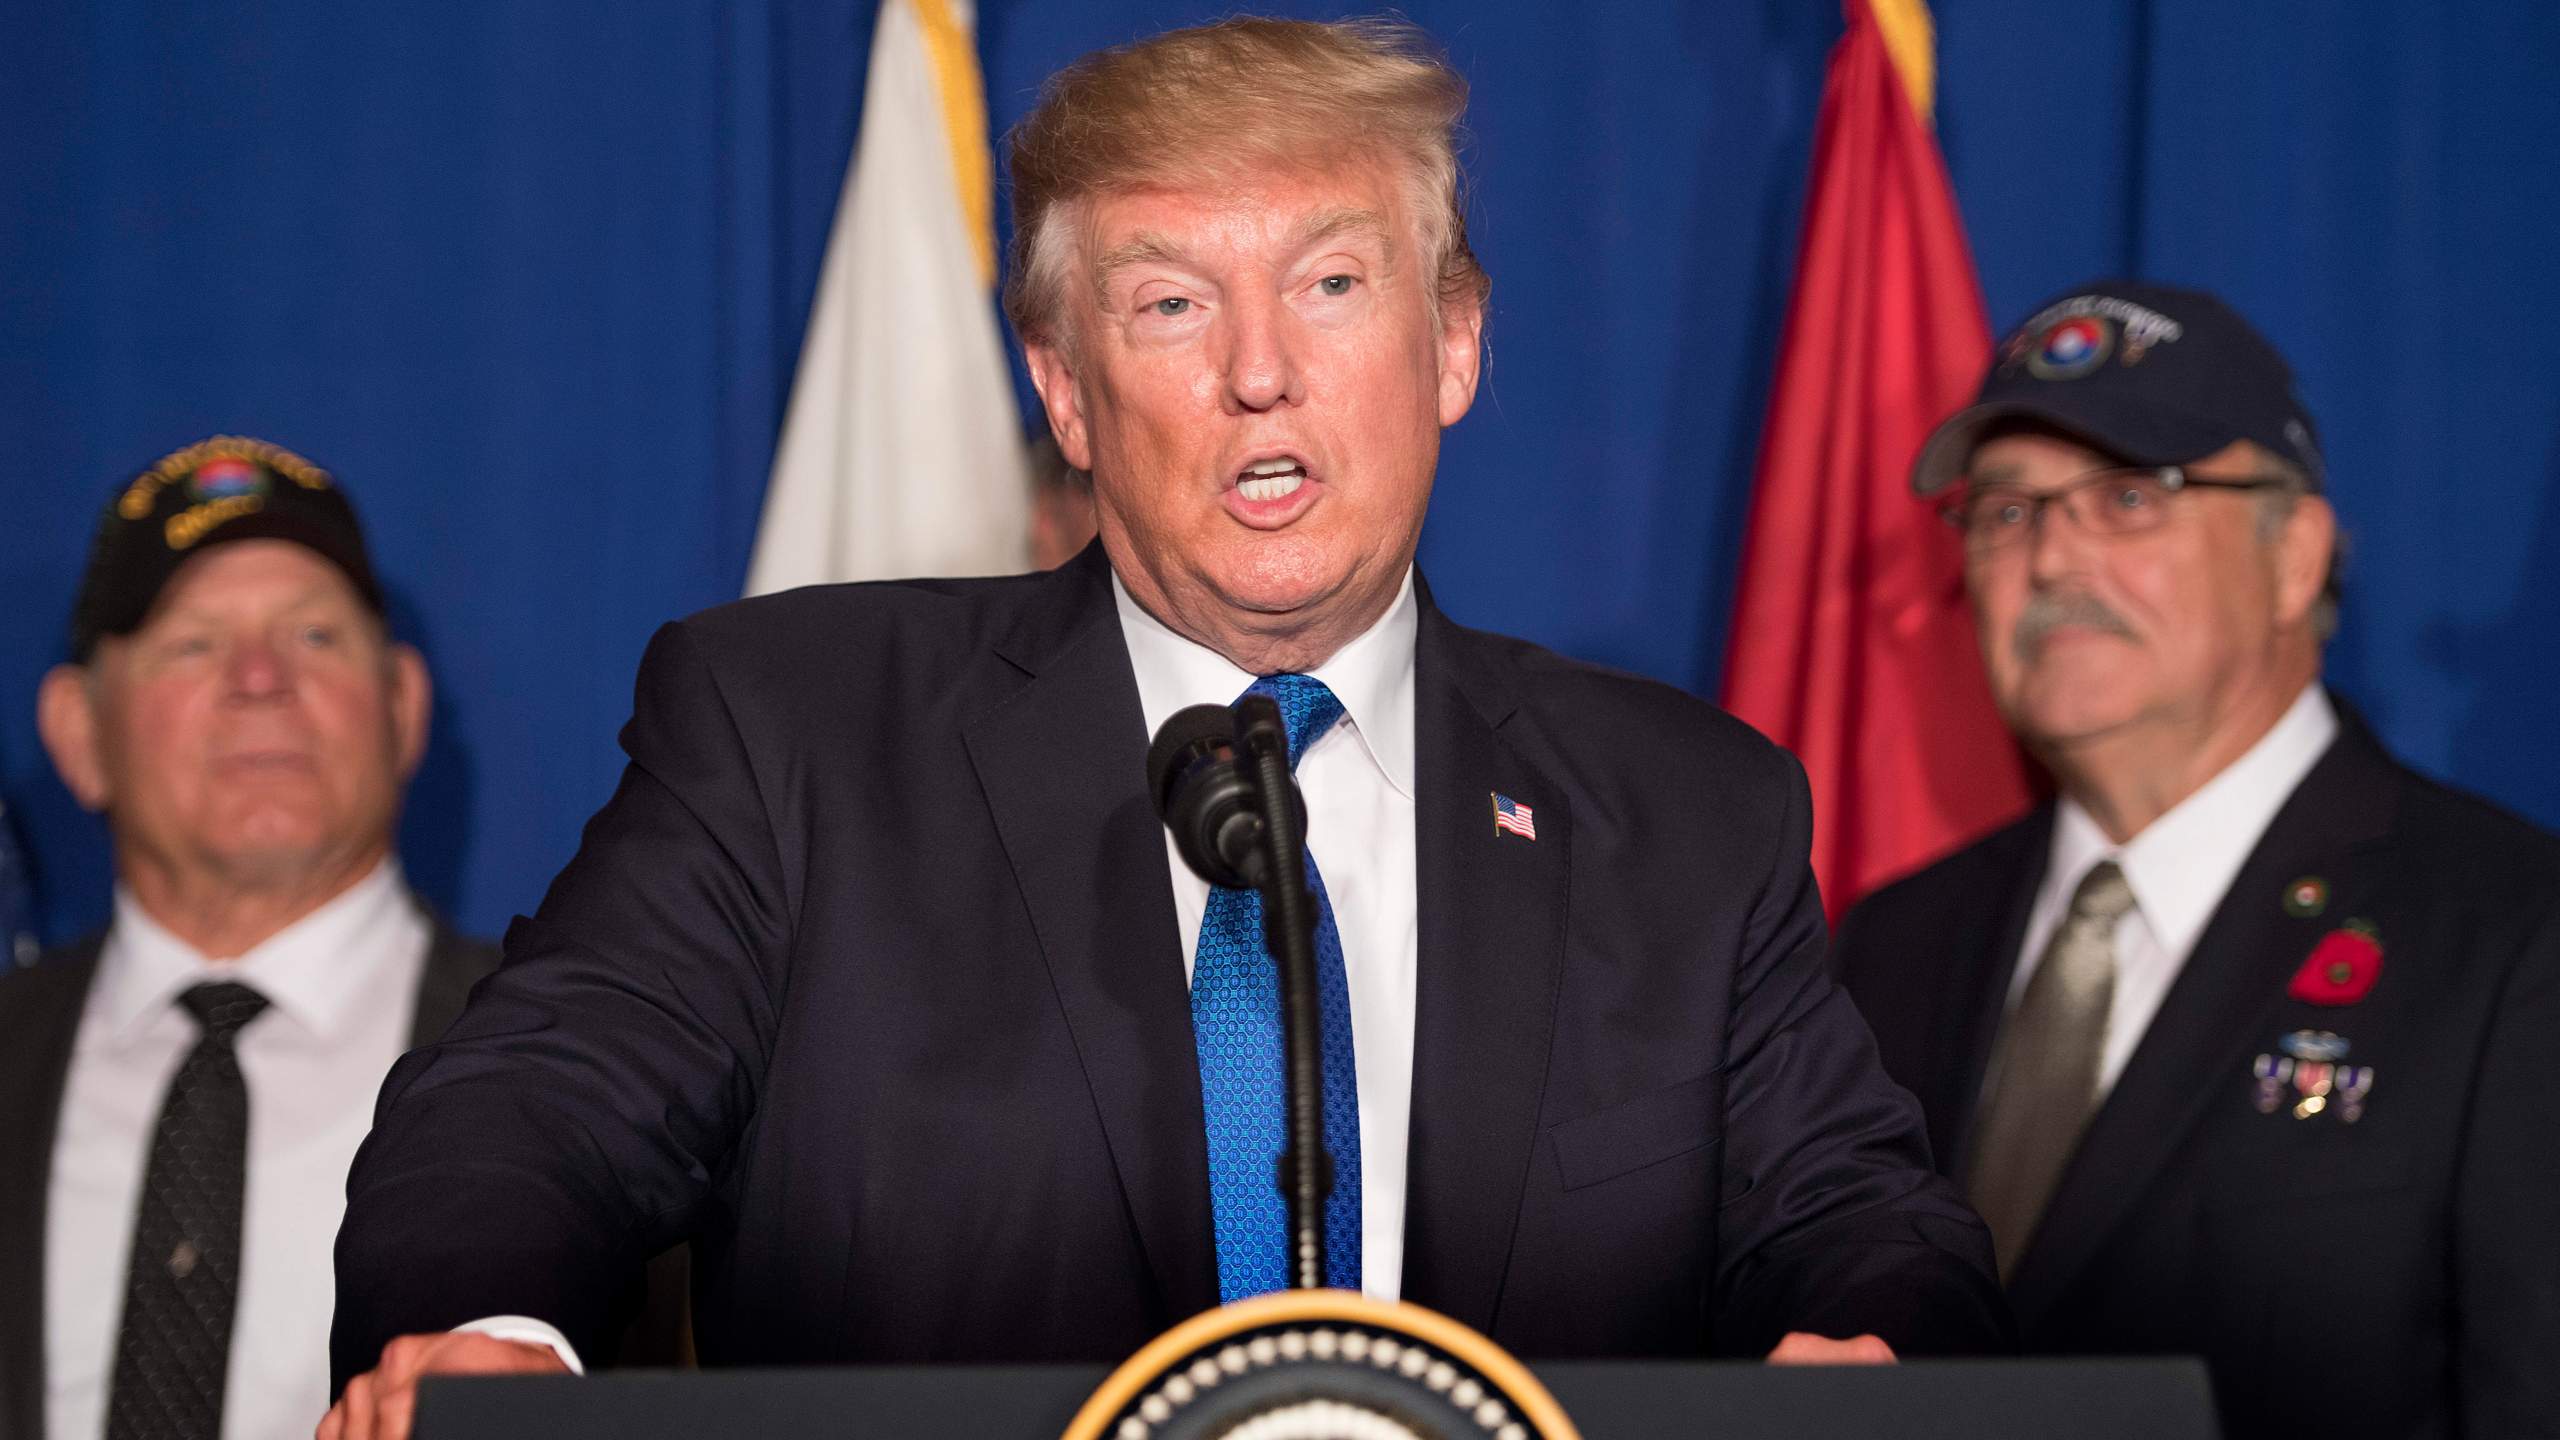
<point x="902" y="451"/>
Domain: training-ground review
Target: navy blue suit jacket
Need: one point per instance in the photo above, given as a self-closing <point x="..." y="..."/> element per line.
<point x="867" y="981"/>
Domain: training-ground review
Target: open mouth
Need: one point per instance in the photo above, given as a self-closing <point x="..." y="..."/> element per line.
<point x="1274" y="479"/>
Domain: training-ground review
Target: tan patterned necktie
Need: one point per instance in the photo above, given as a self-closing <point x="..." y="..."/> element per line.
<point x="2045" y="1068"/>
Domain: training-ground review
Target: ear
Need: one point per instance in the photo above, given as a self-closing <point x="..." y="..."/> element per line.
<point x="412" y="698"/>
<point x="1461" y="357"/>
<point x="2303" y="549"/>
<point x="1055" y="379"/>
<point x="67" y="719"/>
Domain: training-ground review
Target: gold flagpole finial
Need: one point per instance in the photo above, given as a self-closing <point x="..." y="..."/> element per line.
<point x="1911" y="39"/>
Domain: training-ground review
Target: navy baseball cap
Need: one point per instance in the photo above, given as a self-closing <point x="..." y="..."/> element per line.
<point x="2150" y="374"/>
<point x="225" y="488"/>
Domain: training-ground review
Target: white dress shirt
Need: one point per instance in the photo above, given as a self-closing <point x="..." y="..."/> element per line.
<point x="342" y="985"/>
<point x="2178" y="867"/>
<point x="1358" y="783"/>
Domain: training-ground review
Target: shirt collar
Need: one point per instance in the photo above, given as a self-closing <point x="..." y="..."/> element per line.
<point x="313" y="970"/>
<point x="1372" y="676"/>
<point x="2181" y="865"/>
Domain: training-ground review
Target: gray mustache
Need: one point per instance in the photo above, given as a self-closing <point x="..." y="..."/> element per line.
<point x="2047" y="613"/>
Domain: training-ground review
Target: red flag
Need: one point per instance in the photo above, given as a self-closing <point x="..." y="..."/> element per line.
<point x="1851" y="643"/>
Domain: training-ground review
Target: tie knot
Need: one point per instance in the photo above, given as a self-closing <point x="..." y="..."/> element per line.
<point x="1307" y="707"/>
<point x="2103" y="896"/>
<point x="222" y="1007"/>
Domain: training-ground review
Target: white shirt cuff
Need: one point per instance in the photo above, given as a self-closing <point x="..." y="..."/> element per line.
<point x="529" y="1331"/>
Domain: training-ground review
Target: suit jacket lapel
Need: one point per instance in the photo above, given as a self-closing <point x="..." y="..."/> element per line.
<point x="37" y="1027"/>
<point x="2214" y="1014"/>
<point x="38" y="1022"/>
<point x="454" y="963"/>
<point x="1988" y="950"/>
<point x="1060" y="750"/>
<point x="1491" y="926"/>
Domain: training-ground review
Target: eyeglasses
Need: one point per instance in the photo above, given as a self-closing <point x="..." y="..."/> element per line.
<point x="2117" y="501"/>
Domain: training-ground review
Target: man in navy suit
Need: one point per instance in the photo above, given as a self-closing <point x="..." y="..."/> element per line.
<point x="2239" y="1044"/>
<point x="875" y="978"/>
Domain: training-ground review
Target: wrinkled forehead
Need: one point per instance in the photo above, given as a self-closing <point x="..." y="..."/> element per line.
<point x="1128" y="232"/>
<point x="1241" y="198"/>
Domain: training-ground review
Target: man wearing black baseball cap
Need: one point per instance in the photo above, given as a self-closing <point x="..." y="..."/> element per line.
<point x="180" y="1097"/>
<point x="2240" y="1044"/>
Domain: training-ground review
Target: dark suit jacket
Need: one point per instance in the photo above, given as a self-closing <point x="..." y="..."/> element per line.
<point x="39" y="1017"/>
<point x="868" y="980"/>
<point x="2395" y="1276"/>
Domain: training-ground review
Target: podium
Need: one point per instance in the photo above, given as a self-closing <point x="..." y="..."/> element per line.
<point x="2148" y="1399"/>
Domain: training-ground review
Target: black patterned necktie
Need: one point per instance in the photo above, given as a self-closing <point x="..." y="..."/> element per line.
<point x="184" y="1278"/>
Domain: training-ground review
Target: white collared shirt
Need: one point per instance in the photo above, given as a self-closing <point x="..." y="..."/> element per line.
<point x="342" y="984"/>
<point x="2179" y="867"/>
<point x="1358" y="782"/>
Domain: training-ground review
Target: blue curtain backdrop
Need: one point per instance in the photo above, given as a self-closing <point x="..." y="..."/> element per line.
<point x="531" y="280"/>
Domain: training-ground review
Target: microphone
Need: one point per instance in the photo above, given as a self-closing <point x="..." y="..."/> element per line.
<point x="1220" y="780"/>
<point x="1207" y="793"/>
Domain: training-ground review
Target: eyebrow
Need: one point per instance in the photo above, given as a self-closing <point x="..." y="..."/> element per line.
<point x="1145" y="248"/>
<point x="1335" y="224"/>
<point x="1149" y="247"/>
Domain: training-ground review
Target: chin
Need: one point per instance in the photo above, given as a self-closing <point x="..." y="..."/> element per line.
<point x="274" y="833"/>
<point x="2065" y="718"/>
<point x="1281" y="576"/>
<point x="287" y="867"/>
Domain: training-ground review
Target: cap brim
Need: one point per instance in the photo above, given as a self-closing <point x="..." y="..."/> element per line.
<point x="143" y="581"/>
<point x="339" y="548"/>
<point x="2163" y="439"/>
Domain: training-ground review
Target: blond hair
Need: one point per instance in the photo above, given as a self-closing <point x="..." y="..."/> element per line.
<point x="1212" y="103"/>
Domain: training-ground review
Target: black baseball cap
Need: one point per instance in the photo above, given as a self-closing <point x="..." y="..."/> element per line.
<point x="2154" y="375"/>
<point x="226" y="488"/>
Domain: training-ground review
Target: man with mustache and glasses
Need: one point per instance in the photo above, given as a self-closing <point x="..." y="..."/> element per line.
<point x="2239" y="1045"/>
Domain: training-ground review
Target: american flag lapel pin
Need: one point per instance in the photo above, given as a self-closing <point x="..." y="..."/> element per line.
<point x="1511" y="815"/>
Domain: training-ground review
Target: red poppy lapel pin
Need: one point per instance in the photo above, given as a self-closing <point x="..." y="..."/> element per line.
<point x="2342" y="967"/>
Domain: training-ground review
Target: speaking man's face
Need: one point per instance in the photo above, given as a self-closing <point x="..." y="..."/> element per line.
<point x="257" y="728"/>
<point x="1256" y="377"/>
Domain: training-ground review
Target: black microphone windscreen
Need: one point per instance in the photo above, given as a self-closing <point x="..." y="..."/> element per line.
<point x="1188" y="735"/>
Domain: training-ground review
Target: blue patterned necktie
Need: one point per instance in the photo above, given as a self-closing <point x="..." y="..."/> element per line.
<point x="1235" y="1023"/>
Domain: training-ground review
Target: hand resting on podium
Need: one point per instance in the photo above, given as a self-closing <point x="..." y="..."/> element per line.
<point x="381" y="1403"/>
<point x="1800" y="1348"/>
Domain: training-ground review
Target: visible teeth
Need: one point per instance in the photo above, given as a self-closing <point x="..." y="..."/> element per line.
<point x="1270" y="489"/>
<point x="1280" y="466"/>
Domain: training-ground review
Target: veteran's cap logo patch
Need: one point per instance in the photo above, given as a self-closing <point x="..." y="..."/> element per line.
<point x="223" y="478"/>
<point x="2071" y="348"/>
